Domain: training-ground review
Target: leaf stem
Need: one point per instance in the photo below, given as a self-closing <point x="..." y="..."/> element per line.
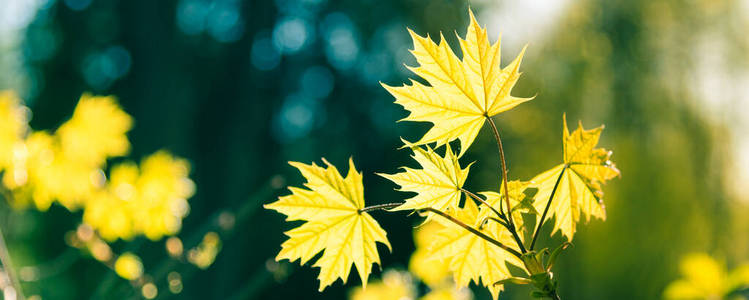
<point x="509" y="220"/>
<point x="501" y="222"/>
<point x="474" y="231"/>
<point x="8" y="267"/>
<point x="554" y="295"/>
<point x="474" y="196"/>
<point x="546" y="210"/>
<point x="502" y="219"/>
<point x="451" y="219"/>
<point x="385" y="206"/>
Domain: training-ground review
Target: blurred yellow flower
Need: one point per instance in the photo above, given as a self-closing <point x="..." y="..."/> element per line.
<point x="706" y="278"/>
<point x="128" y="266"/>
<point x="53" y="176"/>
<point x="96" y="131"/>
<point x="64" y="167"/>
<point x="13" y="128"/>
<point x="150" y="200"/>
<point x="394" y="285"/>
<point x="163" y="188"/>
<point x="13" y="125"/>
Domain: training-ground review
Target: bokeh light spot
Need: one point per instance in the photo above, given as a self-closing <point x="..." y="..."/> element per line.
<point x="264" y="55"/>
<point x="317" y="82"/>
<point x="341" y="41"/>
<point x="191" y="16"/>
<point x="291" y="35"/>
<point x="297" y="117"/>
<point x="101" y="69"/>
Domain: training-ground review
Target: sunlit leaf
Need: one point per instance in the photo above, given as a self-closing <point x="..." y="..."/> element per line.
<point x="461" y="92"/>
<point x="470" y="257"/>
<point x="584" y="170"/>
<point x="432" y="273"/>
<point x="330" y="205"/>
<point x="438" y="182"/>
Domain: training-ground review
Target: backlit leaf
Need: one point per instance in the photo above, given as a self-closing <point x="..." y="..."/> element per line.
<point x="470" y="257"/>
<point x="461" y="92"/>
<point x="584" y="170"/>
<point x="438" y="182"/>
<point x="330" y="205"/>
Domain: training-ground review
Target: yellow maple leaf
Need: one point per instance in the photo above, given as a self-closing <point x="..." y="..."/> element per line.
<point x="462" y="92"/>
<point x="580" y="177"/>
<point x="437" y="183"/>
<point x="334" y="224"/>
<point x="470" y="257"/>
<point x="432" y="273"/>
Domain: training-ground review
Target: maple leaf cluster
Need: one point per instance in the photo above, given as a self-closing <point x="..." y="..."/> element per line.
<point x="463" y="94"/>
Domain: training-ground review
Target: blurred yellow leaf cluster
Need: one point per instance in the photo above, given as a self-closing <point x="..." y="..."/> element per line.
<point x="149" y="199"/>
<point x="399" y="285"/>
<point x="66" y="166"/>
<point x="706" y="278"/>
<point x="394" y="285"/>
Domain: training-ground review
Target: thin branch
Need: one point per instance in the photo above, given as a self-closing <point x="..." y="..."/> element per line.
<point x="8" y="266"/>
<point x="380" y="206"/>
<point x="501" y="222"/>
<point x="474" y="196"/>
<point x="546" y="210"/>
<point x="504" y="179"/>
<point x="451" y="219"/>
<point x="474" y="231"/>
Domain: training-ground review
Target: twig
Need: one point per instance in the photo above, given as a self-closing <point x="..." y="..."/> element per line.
<point x="8" y="266"/>
<point x="474" y="196"/>
<point x="451" y="219"/>
<point x="474" y="231"/>
<point x="504" y="179"/>
<point x="379" y="206"/>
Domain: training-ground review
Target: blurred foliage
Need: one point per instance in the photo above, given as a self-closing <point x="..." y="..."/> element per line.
<point x="240" y="87"/>
<point x="706" y="278"/>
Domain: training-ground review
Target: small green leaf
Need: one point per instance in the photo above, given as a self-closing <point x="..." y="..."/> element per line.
<point x="555" y="254"/>
<point x="515" y="280"/>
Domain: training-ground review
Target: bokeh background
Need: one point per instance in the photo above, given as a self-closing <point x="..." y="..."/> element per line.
<point x="241" y="87"/>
